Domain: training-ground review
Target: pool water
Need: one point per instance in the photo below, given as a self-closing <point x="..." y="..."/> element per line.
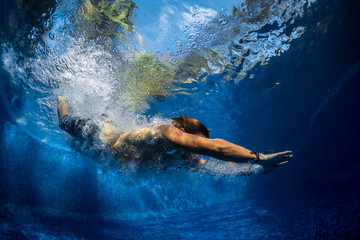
<point x="268" y="75"/>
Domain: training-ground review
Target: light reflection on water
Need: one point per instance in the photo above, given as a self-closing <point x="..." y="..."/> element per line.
<point x="107" y="65"/>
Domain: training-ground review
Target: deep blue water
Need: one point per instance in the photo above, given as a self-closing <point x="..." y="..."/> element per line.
<point x="50" y="191"/>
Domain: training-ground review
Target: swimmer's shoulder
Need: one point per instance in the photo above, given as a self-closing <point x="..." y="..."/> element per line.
<point x="167" y="130"/>
<point x="170" y="132"/>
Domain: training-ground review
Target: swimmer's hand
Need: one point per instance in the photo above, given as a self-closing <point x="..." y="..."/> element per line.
<point x="269" y="161"/>
<point x="61" y="99"/>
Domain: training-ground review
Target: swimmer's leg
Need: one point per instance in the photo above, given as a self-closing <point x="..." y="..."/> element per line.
<point x="62" y="107"/>
<point x="77" y="127"/>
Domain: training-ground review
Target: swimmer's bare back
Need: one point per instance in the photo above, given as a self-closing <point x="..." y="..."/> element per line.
<point x="138" y="145"/>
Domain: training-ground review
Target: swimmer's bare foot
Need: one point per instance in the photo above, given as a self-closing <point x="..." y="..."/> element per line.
<point x="61" y="99"/>
<point x="275" y="159"/>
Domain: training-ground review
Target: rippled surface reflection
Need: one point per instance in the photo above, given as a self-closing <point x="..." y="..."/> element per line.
<point x="121" y="57"/>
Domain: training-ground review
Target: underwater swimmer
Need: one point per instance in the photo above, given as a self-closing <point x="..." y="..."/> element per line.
<point x="187" y="137"/>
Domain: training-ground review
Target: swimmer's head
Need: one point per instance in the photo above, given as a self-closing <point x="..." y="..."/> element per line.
<point x="190" y="125"/>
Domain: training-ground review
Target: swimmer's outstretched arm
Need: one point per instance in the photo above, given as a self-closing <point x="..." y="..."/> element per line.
<point x="221" y="149"/>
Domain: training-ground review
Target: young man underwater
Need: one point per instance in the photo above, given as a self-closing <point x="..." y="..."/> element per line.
<point x="186" y="138"/>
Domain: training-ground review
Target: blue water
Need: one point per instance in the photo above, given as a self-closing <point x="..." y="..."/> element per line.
<point x="288" y="79"/>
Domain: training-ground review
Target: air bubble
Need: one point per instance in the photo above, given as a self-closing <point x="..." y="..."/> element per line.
<point x="192" y="37"/>
<point x="224" y="22"/>
<point x="197" y="28"/>
<point x="223" y="15"/>
<point x="82" y="11"/>
<point x="51" y="36"/>
<point x="180" y="52"/>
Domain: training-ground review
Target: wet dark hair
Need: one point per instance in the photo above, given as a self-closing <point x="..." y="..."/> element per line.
<point x="190" y="125"/>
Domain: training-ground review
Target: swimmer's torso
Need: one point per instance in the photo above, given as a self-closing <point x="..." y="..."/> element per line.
<point x="146" y="146"/>
<point x="140" y="145"/>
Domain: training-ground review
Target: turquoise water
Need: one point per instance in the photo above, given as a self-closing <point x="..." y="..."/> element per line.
<point x="269" y="75"/>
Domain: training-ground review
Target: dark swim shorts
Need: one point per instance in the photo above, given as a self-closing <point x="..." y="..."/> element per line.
<point x="78" y="127"/>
